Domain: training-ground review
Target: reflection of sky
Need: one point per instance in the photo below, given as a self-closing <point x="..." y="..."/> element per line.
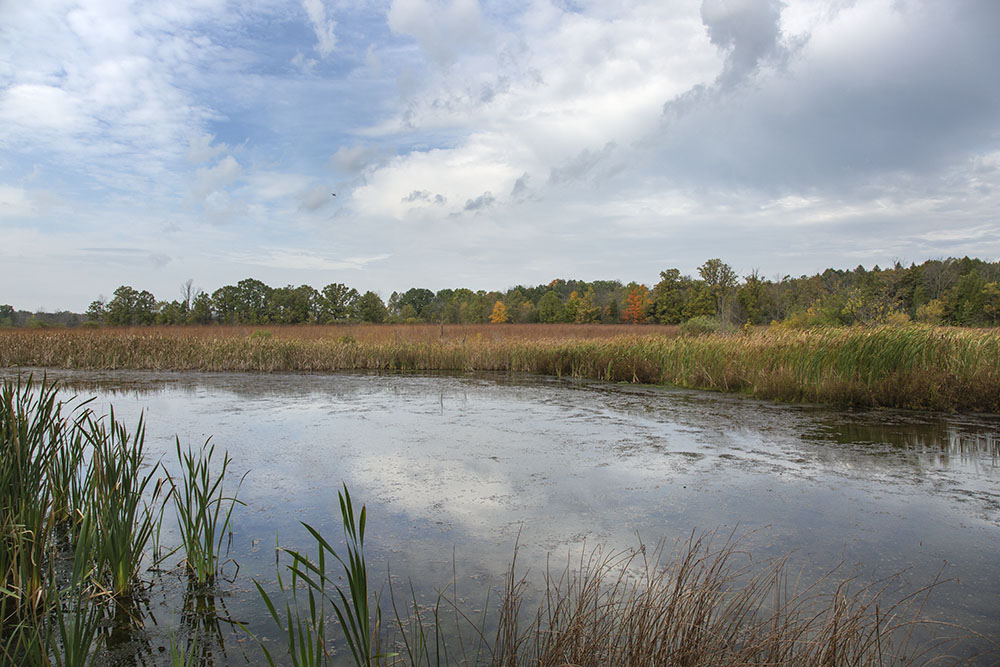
<point x="472" y="464"/>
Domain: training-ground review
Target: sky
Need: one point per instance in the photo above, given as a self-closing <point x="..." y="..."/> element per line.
<point x="487" y="144"/>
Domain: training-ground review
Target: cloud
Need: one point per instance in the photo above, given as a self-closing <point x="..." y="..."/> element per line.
<point x="200" y="148"/>
<point x="159" y="260"/>
<point x="353" y="159"/>
<point x="296" y="259"/>
<point x="877" y="90"/>
<point x="441" y="28"/>
<point x="581" y="166"/>
<point x="629" y="136"/>
<point x="212" y="180"/>
<point x="484" y="200"/>
<point x="520" y="189"/>
<point x="314" y="198"/>
<point x="748" y="30"/>
<point x="16" y="203"/>
<point x="424" y="196"/>
<point x="324" y="28"/>
<point x="43" y="107"/>
<point x="417" y="195"/>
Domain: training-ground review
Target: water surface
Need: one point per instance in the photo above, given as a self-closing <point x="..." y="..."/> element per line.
<point x="457" y="469"/>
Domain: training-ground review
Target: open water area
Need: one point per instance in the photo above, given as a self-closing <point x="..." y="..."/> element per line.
<point x="457" y="470"/>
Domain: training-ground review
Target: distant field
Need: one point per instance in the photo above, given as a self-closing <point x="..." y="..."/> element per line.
<point x="383" y="332"/>
<point x="921" y="367"/>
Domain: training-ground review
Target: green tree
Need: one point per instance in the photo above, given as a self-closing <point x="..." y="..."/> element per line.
<point x="173" y="312"/>
<point x="253" y="301"/>
<point x="587" y="311"/>
<point x="293" y="305"/>
<point x="370" y="308"/>
<point x="129" y="307"/>
<point x="751" y="298"/>
<point x="967" y="300"/>
<point x="720" y="279"/>
<point x="408" y="313"/>
<point x="336" y="302"/>
<point x="669" y="297"/>
<point x="991" y="301"/>
<point x="417" y="297"/>
<point x="201" y="309"/>
<point x="226" y="304"/>
<point x="550" y="308"/>
<point x="97" y="312"/>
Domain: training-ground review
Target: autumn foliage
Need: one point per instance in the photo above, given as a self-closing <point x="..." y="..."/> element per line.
<point x="637" y="304"/>
<point x="499" y="314"/>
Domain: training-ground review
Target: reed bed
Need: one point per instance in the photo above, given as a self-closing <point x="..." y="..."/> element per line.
<point x="705" y="603"/>
<point x="79" y="507"/>
<point x="702" y="603"/>
<point x="914" y="366"/>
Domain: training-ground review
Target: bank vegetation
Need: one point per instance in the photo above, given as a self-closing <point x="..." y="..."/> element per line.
<point x="905" y="366"/>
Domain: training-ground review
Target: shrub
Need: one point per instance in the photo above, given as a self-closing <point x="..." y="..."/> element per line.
<point x="702" y="324"/>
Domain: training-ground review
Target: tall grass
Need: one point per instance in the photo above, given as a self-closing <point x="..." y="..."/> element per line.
<point x="125" y="517"/>
<point x="914" y="366"/>
<point x="78" y="509"/>
<point x="706" y="605"/>
<point x="703" y="603"/>
<point x="356" y="610"/>
<point x="203" y="510"/>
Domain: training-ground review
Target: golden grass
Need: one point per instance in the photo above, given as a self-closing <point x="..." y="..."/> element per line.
<point x="702" y="604"/>
<point x="922" y="367"/>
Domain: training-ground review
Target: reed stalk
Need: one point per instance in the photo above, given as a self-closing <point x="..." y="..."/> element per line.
<point x="910" y="366"/>
<point x="74" y="522"/>
<point x="203" y="510"/>
<point x="356" y="610"/>
<point x="125" y="520"/>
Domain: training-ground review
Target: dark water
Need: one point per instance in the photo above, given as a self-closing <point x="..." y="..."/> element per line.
<point x="456" y="469"/>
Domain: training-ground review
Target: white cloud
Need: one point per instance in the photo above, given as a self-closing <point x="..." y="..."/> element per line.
<point x="442" y="28"/>
<point x="201" y="148"/>
<point x="43" y="107"/>
<point x="296" y="259"/>
<point x="353" y="159"/>
<point x="324" y="27"/>
<point x="506" y="142"/>
<point x="484" y="164"/>
<point x="211" y="180"/>
<point x="16" y="203"/>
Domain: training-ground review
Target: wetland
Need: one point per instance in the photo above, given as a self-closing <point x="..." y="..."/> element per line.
<point x="459" y="469"/>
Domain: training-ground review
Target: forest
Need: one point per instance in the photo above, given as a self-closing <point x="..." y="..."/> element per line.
<point x="962" y="292"/>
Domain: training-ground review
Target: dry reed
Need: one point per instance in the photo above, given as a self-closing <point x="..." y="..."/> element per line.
<point x="920" y="367"/>
<point x="708" y="605"/>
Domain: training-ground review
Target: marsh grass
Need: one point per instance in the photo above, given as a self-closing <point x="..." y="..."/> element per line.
<point x="203" y="510"/>
<point x="912" y="366"/>
<point x="78" y="509"/>
<point x="125" y="516"/>
<point x="705" y="604"/>
<point x="356" y="610"/>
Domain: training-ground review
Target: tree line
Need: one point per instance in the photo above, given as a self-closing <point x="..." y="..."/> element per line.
<point x="962" y="292"/>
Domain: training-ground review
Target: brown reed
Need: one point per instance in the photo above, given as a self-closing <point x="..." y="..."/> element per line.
<point x="702" y="603"/>
<point x="914" y="366"/>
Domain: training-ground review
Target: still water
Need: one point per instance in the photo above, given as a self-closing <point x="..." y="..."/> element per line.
<point x="456" y="470"/>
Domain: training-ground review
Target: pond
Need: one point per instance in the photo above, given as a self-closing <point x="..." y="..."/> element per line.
<point x="456" y="470"/>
